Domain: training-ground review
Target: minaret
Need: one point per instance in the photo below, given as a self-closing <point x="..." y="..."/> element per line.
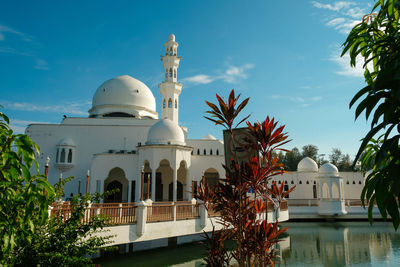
<point x="170" y="89"/>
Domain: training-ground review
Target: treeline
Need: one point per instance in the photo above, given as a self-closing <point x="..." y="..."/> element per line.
<point x="342" y="161"/>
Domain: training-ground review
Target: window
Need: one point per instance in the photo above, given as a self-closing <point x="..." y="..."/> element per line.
<point x="279" y="182"/>
<point x="210" y="151"/>
<point x="57" y="155"/>
<point x="354" y="182"/>
<point x="198" y="151"/>
<point x="300" y="182"/>
<point x="164" y="104"/>
<point x="170" y="72"/>
<point x="359" y="182"/>
<point x="217" y="152"/>
<point x="347" y="182"/>
<point x="205" y="152"/>
<point x="170" y="103"/>
<point x="292" y="182"/>
<point x="62" y="157"/>
<point x="307" y="182"/>
<point x="70" y="156"/>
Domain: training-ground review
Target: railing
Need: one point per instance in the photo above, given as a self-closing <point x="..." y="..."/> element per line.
<point x="303" y="202"/>
<point x="160" y="212"/>
<point x="284" y="205"/>
<point x="116" y="213"/>
<point x="186" y="211"/>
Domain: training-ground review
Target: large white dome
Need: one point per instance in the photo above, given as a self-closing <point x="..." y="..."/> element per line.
<point x="328" y="169"/>
<point x="165" y="132"/>
<point x="123" y="96"/>
<point x="307" y="165"/>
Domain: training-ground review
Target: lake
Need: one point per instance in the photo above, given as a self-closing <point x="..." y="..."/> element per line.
<point x="307" y="244"/>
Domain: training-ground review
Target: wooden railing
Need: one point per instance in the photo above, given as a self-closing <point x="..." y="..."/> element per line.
<point x="116" y="213"/>
<point x="303" y="202"/>
<point x="160" y="212"/>
<point x="186" y="211"/>
<point x="284" y="205"/>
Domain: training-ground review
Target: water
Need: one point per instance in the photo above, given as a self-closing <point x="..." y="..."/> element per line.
<point x="308" y="244"/>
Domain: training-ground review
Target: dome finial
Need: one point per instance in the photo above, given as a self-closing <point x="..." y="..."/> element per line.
<point x="171" y="37"/>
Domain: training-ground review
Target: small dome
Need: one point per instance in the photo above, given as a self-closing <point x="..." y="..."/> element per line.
<point x="123" y="95"/>
<point x="66" y="142"/>
<point x="171" y="37"/>
<point x="165" y="132"/>
<point x="209" y="137"/>
<point x="307" y="165"/>
<point x="328" y="169"/>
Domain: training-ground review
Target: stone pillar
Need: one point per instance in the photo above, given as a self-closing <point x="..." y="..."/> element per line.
<point x="188" y="185"/>
<point x="138" y="187"/>
<point x="174" y="185"/>
<point x="153" y="185"/>
<point x="129" y="191"/>
<point x="203" y="214"/>
<point x="330" y="190"/>
<point x="141" y="217"/>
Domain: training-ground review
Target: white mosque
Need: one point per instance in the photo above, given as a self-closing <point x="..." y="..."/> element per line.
<point x="123" y="138"/>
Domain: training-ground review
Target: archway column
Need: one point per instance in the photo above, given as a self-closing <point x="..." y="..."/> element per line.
<point x="129" y="190"/>
<point x="188" y="184"/>
<point x="174" y="184"/>
<point x="153" y="184"/>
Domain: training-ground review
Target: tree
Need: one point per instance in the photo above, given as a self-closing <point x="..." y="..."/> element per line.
<point x="345" y="163"/>
<point x="24" y="197"/>
<point x="335" y="156"/>
<point x="292" y="158"/>
<point x="377" y="40"/>
<point x="310" y="151"/>
<point x="242" y="217"/>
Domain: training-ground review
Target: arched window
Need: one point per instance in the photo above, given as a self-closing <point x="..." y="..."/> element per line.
<point x="70" y="156"/>
<point x="57" y="155"/>
<point x="279" y="182"/>
<point x="307" y="182"/>
<point x="359" y="182"/>
<point x="176" y="104"/>
<point x="192" y="152"/>
<point x="292" y="182"/>
<point x="164" y="105"/>
<point x="170" y="72"/>
<point x="347" y="182"/>
<point x="205" y="152"/>
<point x="62" y="157"/>
<point x="198" y="151"/>
<point x="170" y="51"/>
<point x="217" y="152"/>
<point x="300" y="182"/>
<point x="170" y="103"/>
<point x="354" y="182"/>
<point x="210" y="151"/>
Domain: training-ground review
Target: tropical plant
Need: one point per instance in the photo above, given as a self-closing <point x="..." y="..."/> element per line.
<point x="24" y="197"/>
<point x="377" y="40"/>
<point x="243" y="219"/>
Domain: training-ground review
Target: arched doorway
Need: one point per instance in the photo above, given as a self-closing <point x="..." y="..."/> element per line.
<point x="163" y="178"/>
<point x="179" y="192"/>
<point x="211" y="176"/>
<point x="116" y="180"/>
<point x="182" y="179"/>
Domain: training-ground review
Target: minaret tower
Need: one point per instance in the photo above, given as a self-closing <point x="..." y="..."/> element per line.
<point x="170" y="89"/>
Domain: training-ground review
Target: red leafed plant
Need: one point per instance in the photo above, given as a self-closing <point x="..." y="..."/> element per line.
<point x="244" y="220"/>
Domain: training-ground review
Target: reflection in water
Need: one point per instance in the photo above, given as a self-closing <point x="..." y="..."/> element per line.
<point x="341" y="244"/>
<point x="308" y="244"/>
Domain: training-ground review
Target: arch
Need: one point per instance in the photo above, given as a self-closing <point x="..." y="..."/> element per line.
<point x="204" y="152"/>
<point x="170" y="103"/>
<point x="182" y="178"/>
<point x="325" y="191"/>
<point x="198" y="151"/>
<point x="300" y="182"/>
<point x="335" y="191"/>
<point x="179" y="191"/>
<point x="211" y="176"/>
<point x="70" y="155"/>
<point x="62" y="156"/>
<point x="176" y="104"/>
<point x="217" y="152"/>
<point x="164" y="105"/>
<point x="211" y="152"/>
<point x="164" y="177"/>
<point x="116" y="179"/>
<point x="170" y="72"/>
<point x="148" y="173"/>
<point x="170" y="51"/>
<point x="307" y="182"/>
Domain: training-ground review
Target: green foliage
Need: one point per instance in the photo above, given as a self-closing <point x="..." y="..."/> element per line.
<point x="67" y="238"/>
<point x="377" y="40"/>
<point x="23" y="201"/>
<point x="310" y="151"/>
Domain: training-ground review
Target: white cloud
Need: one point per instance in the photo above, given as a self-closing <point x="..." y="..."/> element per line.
<point x="276" y="96"/>
<point x="18" y="126"/>
<point x="231" y="75"/>
<point x="344" y="64"/>
<point x="199" y="79"/>
<point x="5" y="29"/>
<point x="69" y="108"/>
<point x="344" y="14"/>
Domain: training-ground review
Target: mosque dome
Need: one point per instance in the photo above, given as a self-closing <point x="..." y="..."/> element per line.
<point x="209" y="137"/>
<point x="165" y="132"/>
<point x="307" y="165"/>
<point x="123" y="96"/>
<point x="66" y="142"/>
<point x="328" y="169"/>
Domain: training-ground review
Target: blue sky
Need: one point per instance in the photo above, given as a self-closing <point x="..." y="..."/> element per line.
<point x="284" y="55"/>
